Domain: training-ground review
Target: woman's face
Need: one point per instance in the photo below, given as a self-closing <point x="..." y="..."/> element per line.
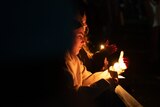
<point x="78" y="41"/>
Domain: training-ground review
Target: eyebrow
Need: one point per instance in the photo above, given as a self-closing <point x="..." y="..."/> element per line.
<point x="80" y="33"/>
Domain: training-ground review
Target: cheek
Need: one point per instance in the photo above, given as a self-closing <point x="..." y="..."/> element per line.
<point x="75" y="44"/>
<point x="76" y="47"/>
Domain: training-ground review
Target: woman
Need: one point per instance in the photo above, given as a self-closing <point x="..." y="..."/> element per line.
<point x="85" y="85"/>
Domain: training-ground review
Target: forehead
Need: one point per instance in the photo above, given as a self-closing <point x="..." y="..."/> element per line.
<point x="79" y="31"/>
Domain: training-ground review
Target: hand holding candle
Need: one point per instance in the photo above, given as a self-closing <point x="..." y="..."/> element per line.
<point x="119" y="66"/>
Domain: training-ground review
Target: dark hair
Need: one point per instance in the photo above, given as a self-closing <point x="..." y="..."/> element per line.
<point x="80" y="7"/>
<point x="79" y="12"/>
<point x="76" y="24"/>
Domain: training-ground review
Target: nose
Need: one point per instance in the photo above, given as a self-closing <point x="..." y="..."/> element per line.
<point x="83" y="41"/>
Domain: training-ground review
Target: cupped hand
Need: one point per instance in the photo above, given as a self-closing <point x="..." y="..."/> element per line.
<point x="113" y="83"/>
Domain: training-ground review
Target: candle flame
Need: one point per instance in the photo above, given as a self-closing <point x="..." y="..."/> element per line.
<point x="102" y="47"/>
<point x="119" y="66"/>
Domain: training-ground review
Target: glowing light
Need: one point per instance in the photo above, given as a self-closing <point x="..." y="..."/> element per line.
<point x="119" y="66"/>
<point x="121" y="77"/>
<point x="102" y="47"/>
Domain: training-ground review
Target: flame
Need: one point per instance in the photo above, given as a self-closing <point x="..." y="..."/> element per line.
<point x="102" y="47"/>
<point x="119" y="66"/>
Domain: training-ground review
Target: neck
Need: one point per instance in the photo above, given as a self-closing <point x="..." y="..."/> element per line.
<point x="72" y="54"/>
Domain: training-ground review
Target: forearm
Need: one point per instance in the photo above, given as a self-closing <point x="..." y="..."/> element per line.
<point x="96" y="77"/>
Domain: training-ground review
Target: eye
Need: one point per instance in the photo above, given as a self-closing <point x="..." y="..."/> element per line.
<point x="80" y="36"/>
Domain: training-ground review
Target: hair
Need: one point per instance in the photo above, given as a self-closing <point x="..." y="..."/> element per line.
<point x="79" y="10"/>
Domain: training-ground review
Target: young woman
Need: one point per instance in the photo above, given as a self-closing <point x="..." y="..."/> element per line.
<point x="87" y="86"/>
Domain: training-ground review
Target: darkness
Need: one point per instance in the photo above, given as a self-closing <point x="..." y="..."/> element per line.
<point x="128" y="24"/>
<point x="31" y="36"/>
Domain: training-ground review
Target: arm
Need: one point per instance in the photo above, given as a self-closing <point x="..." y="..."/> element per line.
<point x="84" y="83"/>
<point x="92" y="78"/>
<point x="87" y="92"/>
<point x="83" y="95"/>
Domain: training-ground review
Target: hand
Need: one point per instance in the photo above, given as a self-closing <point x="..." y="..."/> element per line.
<point x="113" y="74"/>
<point x="105" y="65"/>
<point x="110" y="48"/>
<point x="113" y="83"/>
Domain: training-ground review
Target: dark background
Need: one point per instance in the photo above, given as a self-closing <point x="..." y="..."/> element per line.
<point x="128" y="24"/>
<point x="31" y="31"/>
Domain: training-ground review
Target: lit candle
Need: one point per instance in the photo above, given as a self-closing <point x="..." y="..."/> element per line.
<point x="102" y="47"/>
<point x="119" y="66"/>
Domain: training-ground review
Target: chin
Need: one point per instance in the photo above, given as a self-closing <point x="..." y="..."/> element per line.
<point x="77" y="52"/>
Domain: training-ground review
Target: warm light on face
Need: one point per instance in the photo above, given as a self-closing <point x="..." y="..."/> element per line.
<point x="78" y="40"/>
<point x="102" y="47"/>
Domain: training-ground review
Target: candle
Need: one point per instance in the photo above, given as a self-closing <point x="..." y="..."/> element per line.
<point x="119" y="66"/>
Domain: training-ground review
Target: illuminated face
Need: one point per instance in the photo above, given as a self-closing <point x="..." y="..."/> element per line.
<point x="78" y="41"/>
